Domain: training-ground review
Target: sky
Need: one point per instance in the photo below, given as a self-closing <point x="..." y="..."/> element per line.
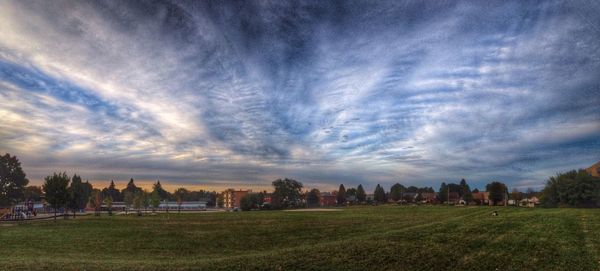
<point x="217" y="94"/>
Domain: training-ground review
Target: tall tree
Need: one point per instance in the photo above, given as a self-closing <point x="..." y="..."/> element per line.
<point x="88" y="189"/>
<point x="128" y="199"/>
<point x="465" y="192"/>
<point x="162" y="193"/>
<point x="12" y="180"/>
<point x="146" y="199"/>
<point x="56" y="188"/>
<point x="396" y="192"/>
<point x="286" y="193"/>
<point x="497" y="192"/>
<point x="112" y="192"/>
<point x="313" y="198"/>
<point x="443" y="192"/>
<point x="138" y="202"/>
<point x="361" y="196"/>
<point x="155" y="200"/>
<point x="379" y="194"/>
<point x="78" y="195"/>
<point x="341" y="195"/>
<point x="131" y="188"/>
<point x="96" y="201"/>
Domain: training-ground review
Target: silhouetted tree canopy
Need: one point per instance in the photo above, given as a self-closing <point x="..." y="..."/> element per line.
<point x="12" y="180"/>
<point x="251" y="201"/>
<point x="497" y="192"/>
<point x="286" y="193"/>
<point x="379" y="194"/>
<point x="572" y="189"/>
<point x="112" y="191"/>
<point x="56" y="189"/>
<point x="341" y="195"/>
<point x="361" y="196"/>
<point x="79" y="194"/>
<point x="162" y="193"/>
<point x="396" y="191"/>
<point x="313" y="198"/>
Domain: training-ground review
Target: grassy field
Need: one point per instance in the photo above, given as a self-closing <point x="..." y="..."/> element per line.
<point x="360" y="238"/>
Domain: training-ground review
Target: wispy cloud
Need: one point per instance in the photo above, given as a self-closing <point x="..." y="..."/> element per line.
<point x="217" y="93"/>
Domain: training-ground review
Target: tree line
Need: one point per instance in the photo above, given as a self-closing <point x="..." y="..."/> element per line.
<point x="288" y="194"/>
<point x="570" y="189"/>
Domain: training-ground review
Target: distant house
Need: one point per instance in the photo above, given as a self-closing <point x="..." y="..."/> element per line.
<point x="328" y="199"/>
<point x="370" y="197"/>
<point x="232" y="197"/>
<point x="409" y="196"/>
<point x="529" y="202"/>
<point x="454" y="198"/>
<point x="594" y="170"/>
<point x="481" y="198"/>
<point x="428" y="197"/>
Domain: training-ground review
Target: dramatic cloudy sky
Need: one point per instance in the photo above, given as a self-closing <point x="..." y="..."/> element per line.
<point x="218" y="94"/>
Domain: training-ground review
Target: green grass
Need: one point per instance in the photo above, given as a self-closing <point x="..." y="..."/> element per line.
<point x="360" y="238"/>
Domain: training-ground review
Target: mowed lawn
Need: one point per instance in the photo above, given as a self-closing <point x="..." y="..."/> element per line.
<point x="357" y="238"/>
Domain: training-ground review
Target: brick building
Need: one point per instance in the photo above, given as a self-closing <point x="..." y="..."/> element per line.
<point x="232" y="197"/>
<point x="328" y="199"/>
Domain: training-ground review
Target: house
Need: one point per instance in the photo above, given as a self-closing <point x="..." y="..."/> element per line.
<point x="529" y="202"/>
<point x="409" y="196"/>
<point x="454" y="198"/>
<point x="232" y="197"/>
<point x="328" y="199"/>
<point x="594" y="170"/>
<point x="533" y="201"/>
<point x="481" y="198"/>
<point x="428" y="197"/>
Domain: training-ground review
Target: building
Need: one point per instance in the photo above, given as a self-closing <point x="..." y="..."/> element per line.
<point x="530" y="202"/>
<point x="481" y="198"/>
<point x="328" y="199"/>
<point x="454" y="198"/>
<point x="409" y="196"/>
<point x="185" y="205"/>
<point x="594" y="170"/>
<point x="428" y="197"/>
<point x="232" y="197"/>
